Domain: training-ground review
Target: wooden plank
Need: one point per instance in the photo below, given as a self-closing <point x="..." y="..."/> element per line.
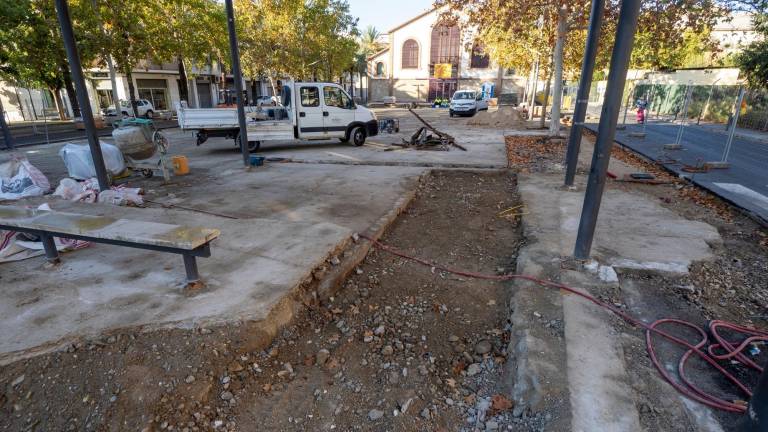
<point x="102" y="227"/>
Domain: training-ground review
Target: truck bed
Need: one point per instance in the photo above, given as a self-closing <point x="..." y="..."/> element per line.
<point x="222" y="119"/>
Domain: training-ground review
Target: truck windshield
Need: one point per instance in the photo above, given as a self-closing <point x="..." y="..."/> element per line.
<point x="463" y="96"/>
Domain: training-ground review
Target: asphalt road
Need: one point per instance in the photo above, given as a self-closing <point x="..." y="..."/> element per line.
<point x="26" y="134"/>
<point x="745" y="183"/>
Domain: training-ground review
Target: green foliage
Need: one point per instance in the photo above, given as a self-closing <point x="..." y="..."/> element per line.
<point x="297" y="38"/>
<point x="753" y="61"/>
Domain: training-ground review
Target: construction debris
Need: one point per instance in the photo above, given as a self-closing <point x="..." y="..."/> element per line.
<point x="506" y="117"/>
<point x="423" y="140"/>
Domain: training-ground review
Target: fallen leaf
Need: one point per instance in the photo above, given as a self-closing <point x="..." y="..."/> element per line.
<point x="500" y="403"/>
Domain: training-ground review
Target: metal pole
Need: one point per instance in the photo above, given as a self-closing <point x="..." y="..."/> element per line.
<point x="684" y="116"/>
<point x="622" y="49"/>
<point x="582" y="96"/>
<point x="243" y="135"/>
<point x="626" y="106"/>
<point x="709" y="98"/>
<point x="68" y="37"/>
<point x="732" y="132"/>
<point x="7" y="137"/>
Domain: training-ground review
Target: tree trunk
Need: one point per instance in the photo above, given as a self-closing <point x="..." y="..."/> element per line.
<point x="59" y="103"/>
<point x="562" y="27"/>
<point x="535" y="87"/>
<point x="131" y="92"/>
<point x="183" y="85"/>
<point x="361" y="85"/>
<point x="70" y="89"/>
<point x="546" y="100"/>
<point x="7" y="136"/>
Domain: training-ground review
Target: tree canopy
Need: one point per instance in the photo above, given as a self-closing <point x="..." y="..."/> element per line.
<point x="753" y="61"/>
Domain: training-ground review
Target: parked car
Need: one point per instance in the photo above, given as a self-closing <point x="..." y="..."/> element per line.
<point x="266" y="100"/>
<point x="467" y="102"/>
<point x="145" y="108"/>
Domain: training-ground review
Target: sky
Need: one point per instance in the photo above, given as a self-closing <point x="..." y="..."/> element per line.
<point x="385" y="14"/>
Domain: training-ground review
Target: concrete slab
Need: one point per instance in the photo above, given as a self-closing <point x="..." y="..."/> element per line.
<point x="632" y="231"/>
<point x="291" y="217"/>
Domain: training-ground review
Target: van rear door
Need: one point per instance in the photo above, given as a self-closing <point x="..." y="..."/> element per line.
<point x="310" y="111"/>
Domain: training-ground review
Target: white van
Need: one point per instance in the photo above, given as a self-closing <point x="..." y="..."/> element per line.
<point x="467" y="102"/>
<point x="308" y="111"/>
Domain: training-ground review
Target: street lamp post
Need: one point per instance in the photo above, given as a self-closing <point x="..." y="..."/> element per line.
<point x="242" y="136"/>
<point x="62" y="11"/>
<point x="582" y="96"/>
<point x="622" y="49"/>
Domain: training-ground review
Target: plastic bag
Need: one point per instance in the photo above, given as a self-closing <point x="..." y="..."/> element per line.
<point x="19" y="179"/>
<point x="88" y="191"/>
<point x="79" y="162"/>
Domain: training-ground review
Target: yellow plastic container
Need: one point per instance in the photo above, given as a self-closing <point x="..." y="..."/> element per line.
<point x="180" y="165"/>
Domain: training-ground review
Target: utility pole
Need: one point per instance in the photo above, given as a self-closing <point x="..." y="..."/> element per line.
<point x="9" y="143"/>
<point x="622" y="49"/>
<point x="582" y="96"/>
<point x="238" y="74"/>
<point x="62" y="11"/>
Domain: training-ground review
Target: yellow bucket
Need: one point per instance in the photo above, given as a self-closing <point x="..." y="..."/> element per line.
<point x="180" y="165"/>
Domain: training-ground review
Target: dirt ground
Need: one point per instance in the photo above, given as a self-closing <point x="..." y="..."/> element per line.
<point x="401" y="347"/>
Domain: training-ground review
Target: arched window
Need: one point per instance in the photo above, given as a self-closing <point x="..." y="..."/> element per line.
<point x="379" y="69"/>
<point x="480" y="58"/>
<point x="410" y="54"/>
<point x="445" y="43"/>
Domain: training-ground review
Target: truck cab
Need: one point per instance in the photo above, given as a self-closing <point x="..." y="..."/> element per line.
<point x="325" y="110"/>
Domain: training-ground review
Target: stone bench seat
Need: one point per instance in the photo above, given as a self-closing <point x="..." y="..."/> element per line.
<point x="190" y="242"/>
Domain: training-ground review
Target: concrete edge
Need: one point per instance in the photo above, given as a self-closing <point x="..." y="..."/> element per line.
<point x="306" y="292"/>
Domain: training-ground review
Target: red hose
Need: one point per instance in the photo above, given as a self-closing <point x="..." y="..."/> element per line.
<point x="733" y="350"/>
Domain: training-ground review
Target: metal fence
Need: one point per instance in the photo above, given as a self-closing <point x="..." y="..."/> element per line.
<point x="707" y="103"/>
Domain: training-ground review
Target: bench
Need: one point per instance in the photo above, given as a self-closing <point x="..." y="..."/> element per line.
<point x="190" y="242"/>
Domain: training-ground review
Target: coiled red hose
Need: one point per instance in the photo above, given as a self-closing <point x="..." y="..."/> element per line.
<point x="732" y="350"/>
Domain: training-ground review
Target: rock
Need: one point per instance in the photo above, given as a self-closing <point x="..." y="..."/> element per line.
<point x="322" y="357"/>
<point x="190" y="379"/>
<point x="473" y="369"/>
<point x="368" y="339"/>
<point x="379" y="330"/>
<point x="483" y="347"/>
<point x="288" y="368"/>
<point x="387" y="350"/>
<point x="394" y="377"/>
<point x="375" y="414"/>
<point x="235" y="367"/>
<point x="536" y="314"/>
<point x="491" y="425"/>
<point x="425" y="413"/>
<point x="453" y="338"/>
<point x="423" y="370"/>
<point x="227" y="396"/>
<point x="355" y="237"/>
<point x="18" y="380"/>
<point x="405" y="402"/>
<point x="359" y="271"/>
<point x="335" y="261"/>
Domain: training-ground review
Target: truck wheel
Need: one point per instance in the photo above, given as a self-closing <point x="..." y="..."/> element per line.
<point x="253" y="146"/>
<point x="358" y="136"/>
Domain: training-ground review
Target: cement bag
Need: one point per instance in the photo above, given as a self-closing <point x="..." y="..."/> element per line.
<point x="79" y="163"/>
<point x="19" y="179"/>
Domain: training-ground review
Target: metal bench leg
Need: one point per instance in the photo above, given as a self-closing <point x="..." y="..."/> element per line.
<point x="50" y="249"/>
<point x="190" y="265"/>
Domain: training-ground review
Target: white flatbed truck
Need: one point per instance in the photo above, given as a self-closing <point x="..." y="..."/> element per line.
<point x="308" y="111"/>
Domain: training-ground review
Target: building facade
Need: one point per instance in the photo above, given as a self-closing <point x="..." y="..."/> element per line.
<point x="427" y="58"/>
<point x="159" y="83"/>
